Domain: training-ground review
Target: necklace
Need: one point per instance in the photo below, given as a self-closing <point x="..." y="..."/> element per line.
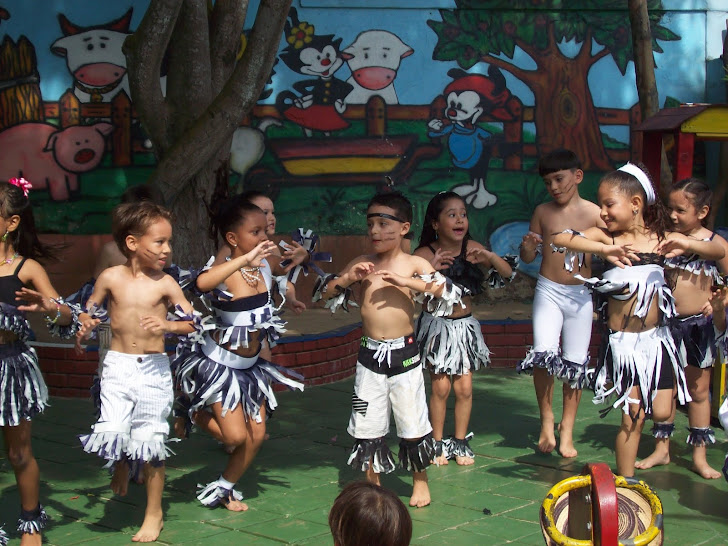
<point x="11" y="259"/>
<point x="251" y="275"/>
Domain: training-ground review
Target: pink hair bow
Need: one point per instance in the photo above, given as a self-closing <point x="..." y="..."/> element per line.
<point x="22" y="183"/>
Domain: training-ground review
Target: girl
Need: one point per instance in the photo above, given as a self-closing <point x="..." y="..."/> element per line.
<point x="640" y="363"/>
<point x="226" y="382"/>
<point x="718" y="301"/>
<point x="692" y="330"/>
<point x="23" y="392"/>
<point x="453" y="346"/>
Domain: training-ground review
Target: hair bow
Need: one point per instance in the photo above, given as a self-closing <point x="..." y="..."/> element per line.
<point x="22" y="183"/>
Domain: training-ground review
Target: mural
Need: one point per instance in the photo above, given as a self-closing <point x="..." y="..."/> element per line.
<point x="462" y="98"/>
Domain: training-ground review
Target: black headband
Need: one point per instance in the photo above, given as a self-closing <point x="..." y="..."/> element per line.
<point x="384" y="215"/>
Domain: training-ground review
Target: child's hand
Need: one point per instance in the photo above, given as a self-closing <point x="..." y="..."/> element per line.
<point x="180" y="428"/>
<point x="619" y="255"/>
<point x="35" y="302"/>
<point x="479" y="256"/>
<point x="531" y="241"/>
<point x="84" y="332"/>
<point x="296" y="306"/>
<point x="673" y="247"/>
<point x="294" y="252"/>
<point x="155" y="325"/>
<point x="717" y="300"/>
<point x="393" y="278"/>
<point x="360" y="271"/>
<point x="442" y="259"/>
<point x="260" y="252"/>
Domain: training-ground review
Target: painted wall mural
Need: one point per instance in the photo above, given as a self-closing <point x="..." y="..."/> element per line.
<point x="429" y="96"/>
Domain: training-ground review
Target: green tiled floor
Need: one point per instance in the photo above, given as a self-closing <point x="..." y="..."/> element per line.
<point x="301" y="469"/>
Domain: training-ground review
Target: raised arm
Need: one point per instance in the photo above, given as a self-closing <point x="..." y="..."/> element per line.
<point x="217" y="274"/>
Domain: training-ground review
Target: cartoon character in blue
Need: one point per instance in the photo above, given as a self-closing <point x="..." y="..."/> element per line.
<point x="469" y="97"/>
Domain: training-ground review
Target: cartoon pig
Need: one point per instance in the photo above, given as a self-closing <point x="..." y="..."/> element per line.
<point x="373" y="59"/>
<point x="50" y="157"/>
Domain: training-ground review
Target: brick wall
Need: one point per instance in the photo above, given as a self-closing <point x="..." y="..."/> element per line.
<point x="321" y="359"/>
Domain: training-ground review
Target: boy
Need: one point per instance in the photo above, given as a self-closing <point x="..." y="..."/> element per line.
<point x="136" y="382"/>
<point x="562" y="305"/>
<point x="388" y="371"/>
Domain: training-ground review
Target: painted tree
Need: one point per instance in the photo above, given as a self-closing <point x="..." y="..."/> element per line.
<point x="210" y="89"/>
<point x="564" y="113"/>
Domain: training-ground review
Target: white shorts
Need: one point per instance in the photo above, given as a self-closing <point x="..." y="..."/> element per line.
<point x="562" y="311"/>
<point x="389" y="379"/>
<point x="136" y="400"/>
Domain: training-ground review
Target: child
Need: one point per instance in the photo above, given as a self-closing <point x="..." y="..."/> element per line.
<point x="718" y="301"/>
<point x="452" y="346"/>
<point x="227" y="384"/>
<point x="388" y="372"/>
<point x="640" y="364"/>
<point x="23" y="393"/>
<point x="692" y="330"/>
<point x="136" y="382"/>
<point x="365" y="514"/>
<point x="562" y="306"/>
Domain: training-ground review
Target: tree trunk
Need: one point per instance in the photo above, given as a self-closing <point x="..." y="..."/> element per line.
<point x="644" y="67"/>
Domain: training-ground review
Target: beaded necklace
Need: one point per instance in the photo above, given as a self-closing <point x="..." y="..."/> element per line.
<point x="10" y="260"/>
<point x="251" y="275"/>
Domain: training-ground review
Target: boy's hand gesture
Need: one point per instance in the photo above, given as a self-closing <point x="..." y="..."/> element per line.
<point x="442" y="259"/>
<point x="620" y="255"/>
<point x="155" y="325"/>
<point x="359" y="271"/>
<point x="84" y="332"/>
<point x="393" y="278"/>
<point x="531" y="241"/>
<point x="295" y="305"/>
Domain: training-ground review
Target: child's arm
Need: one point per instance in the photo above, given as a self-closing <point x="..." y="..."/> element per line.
<point x="532" y="243"/>
<point x="676" y="244"/>
<point x="87" y="318"/>
<point x="176" y="298"/>
<point x="594" y="241"/>
<point x="44" y="298"/>
<point x="294" y="304"/>
<point x="478" y="254"/>
<point x="210" y="278"/>
<point x="340" y="285"/>
<point x="717" y="304"/>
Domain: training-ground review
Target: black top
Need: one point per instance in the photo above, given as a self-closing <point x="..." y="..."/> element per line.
<point x="463" y="272"/>
<point x="9" y="284"/>
<point x="646" y="258"/>
<point x="243" y="304"/>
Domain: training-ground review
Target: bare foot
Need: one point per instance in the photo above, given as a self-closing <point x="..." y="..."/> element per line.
<point x="655" y="459"/>
<point x="703" y="469"/>
<point x="150" y="529"/>
<point x="464" y="461"/>
<point x="566" y="444"/>
<point x="547" y="438"/>
<point x="235" y="505"/>
<point x="28" y="539"/>
<point x="120" y="479"/>
<point x="440" y="460"/>
<point x="373" y="477"/>
<point x="420" y="490"/>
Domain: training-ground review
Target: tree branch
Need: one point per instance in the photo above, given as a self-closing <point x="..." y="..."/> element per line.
<point x="144" y="51"/>
<point x="523" y="75"/>
<point x="226" y="22"/>
<point x="601" y="54"/>
<point x="586" y="47"/>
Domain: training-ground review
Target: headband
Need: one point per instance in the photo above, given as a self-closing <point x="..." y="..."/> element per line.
<point x="22" y="183"/>
<point x="639" y="174"/>
<point x="387" y="216"/>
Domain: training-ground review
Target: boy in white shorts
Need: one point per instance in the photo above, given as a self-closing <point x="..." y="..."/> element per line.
<point x="562" y="305"/>
<point x="388" y="372"/>
<point x="136" y="382"/>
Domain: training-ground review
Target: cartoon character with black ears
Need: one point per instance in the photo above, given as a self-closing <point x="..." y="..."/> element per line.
<point x="321" y="101"/>
<point x="469" y="97"/>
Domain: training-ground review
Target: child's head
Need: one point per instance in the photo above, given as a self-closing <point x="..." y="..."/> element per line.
<point x="142" y="192"/>
<point x="389" y="217"/>
<point x="133" y="223"/>
<point x="627" y="197"/>
<point x="365" y="514"/>
<point x="264" y="203"/>
<point x="561" y="172"/>
<point x="447" y="212"/>
<point x="240" y="223"/>
<point x="17" y="224"/>
<point x="689" y="204"/>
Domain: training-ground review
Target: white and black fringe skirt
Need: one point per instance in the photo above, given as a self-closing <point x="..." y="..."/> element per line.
<point x="204" y="380"/>
<point x="23" y="393"/>
<point x="452" y="346"/>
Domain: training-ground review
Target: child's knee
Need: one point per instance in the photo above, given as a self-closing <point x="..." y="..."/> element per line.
<point x="20" y="456"/>
<point x="235" y="437"/>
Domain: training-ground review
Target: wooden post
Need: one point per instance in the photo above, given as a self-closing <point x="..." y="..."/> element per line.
<point x="121" y="136"/>
<point x="651" y="153"/>
<point x="376" y="116"/>
<point x="684" y="150"/>
<point x="69" y="109"/>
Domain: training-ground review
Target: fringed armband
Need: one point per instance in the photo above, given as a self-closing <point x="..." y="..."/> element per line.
<point x="64" y="331"/>
<point x="496" y="280"/>
<point x="217" y="492"/>
<point x="342" y="298"/>
<point x="571" y="257"/>
<point x="440" y="306"/>
<point x="308" y="240"/>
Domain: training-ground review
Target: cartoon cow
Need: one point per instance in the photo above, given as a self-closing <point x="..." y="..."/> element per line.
<point x="51" y="157"/>
<point x="373" y="59"/>
<point x="94" y="57"/>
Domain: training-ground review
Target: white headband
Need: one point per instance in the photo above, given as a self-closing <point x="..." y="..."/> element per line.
<point x="639" y="174"/>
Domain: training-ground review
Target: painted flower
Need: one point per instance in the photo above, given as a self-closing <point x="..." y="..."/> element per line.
<point x="300" y="35"/>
